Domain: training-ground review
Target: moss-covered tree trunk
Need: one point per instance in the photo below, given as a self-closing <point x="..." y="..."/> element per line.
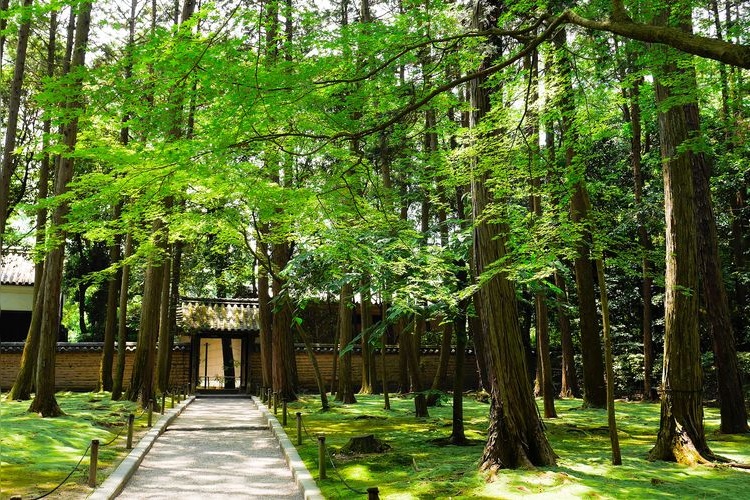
<point x="569" y="381"/>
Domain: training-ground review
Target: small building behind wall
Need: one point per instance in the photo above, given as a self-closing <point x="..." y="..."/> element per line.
<point x="223" y="335"/>
<point x="16" y="295"/>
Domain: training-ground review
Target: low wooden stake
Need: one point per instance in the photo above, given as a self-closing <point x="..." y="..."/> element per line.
<point x="275" y="403"/>
<point x="321" y="456"/>
<point x="283" y="413"/>
<point x="129" y="443"/>
<point x="299" y="429"/>
<point x="163" y="402"/>
<point x="172" y="394"/>
<point x="93" y="462"/>
<point x="150" y="412"/>
<point x="373" y="493"/>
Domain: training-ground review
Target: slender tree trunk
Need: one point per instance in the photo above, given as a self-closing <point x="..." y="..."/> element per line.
<point x="265" y="320"/>
<point x="110" y="326"/>
<point x="569" y="383"/>
<point x="165" y="343"/>
<point x="7" y="166"/>
<point x="345" y="392"/>
<point x="681" y="434"/>
<point x="44" y="401"/>
<point x="316" y="369"/>
<point x="610" y="374"/>
<point x="594" y="390"/>
<point x="368" y="360"/>
<point x="644" y="240"/>
<point x="24" y="383"/>
<point x="122" y="324"/>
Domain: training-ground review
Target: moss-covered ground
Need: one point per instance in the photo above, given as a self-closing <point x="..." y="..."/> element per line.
<point x="416" y="467"/>
<point x="36" y="453"/>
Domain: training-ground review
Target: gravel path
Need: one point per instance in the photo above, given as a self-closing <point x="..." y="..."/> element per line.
<point x="218" y="448"/>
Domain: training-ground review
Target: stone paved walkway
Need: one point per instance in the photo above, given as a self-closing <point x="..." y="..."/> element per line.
<point x="218" y="448"/>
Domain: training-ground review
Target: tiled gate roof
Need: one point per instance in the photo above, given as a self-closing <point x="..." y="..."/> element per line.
<point x="218" y="315"/>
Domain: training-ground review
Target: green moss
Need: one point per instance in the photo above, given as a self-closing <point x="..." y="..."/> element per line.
<point x="417" y="468"/>
<point x="38" y="453"/>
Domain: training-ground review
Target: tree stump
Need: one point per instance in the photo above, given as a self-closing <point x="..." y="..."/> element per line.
<point x="364" y="444"/>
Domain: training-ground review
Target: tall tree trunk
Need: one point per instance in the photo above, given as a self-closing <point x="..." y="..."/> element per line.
<point x="284" y="366"/>
<point x="646" y="246"/>
<point x="44" y="401"/>
<point x="681" y="434"/>
<point x="110" y="325"/>
<point x="516" y="435"/>
<point x="731" y="393"/>
<point x="569" y="382"/>
<point x="24" y="383"/>
<point x="345" y="392"/>
<point x="368" y="359"/>
<point x="594" y="391"/>
<point x="165" y="342"/>
<point x="610" y="373"/>
<point x="122" y="324"/>
<point x="7" y="166"/>
<point x="265" y="319"/>
<point x="142" y="378"/>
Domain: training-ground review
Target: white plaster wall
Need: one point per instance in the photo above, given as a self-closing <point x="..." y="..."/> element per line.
<point x="16" y="298"/>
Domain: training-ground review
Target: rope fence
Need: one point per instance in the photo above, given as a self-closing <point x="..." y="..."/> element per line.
<point x="124" y="427"/>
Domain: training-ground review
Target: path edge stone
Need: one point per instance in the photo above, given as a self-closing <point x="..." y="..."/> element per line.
<point x="114" y="484"/>
<point x="302" y="476"/>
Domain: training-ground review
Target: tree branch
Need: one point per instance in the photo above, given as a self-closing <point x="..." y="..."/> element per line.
<point x="711" y="48"/>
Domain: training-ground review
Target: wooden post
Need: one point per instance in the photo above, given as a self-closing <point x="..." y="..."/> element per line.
<point x="93" y="462"/>
<point x="172" y="394"/>
<point x="275" y="403"/>
<point x="268" y="397"/>
<point x="129" y="443"/>
<point x="150" y="412"/>
<point x="163" y="402"/>
<point x="299" y="429"/>
<point x="283" y="413"/>
<point x="373" y="493"/>
<point x="321" y="456"/>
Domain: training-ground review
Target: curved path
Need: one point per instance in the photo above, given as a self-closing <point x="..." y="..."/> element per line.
<point x="218" y="448"/>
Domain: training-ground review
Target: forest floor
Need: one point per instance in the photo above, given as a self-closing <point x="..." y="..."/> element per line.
<point x="36" y="454"/>
<point x="417" y="467"/>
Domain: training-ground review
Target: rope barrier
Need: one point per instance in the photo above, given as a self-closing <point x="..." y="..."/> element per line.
<point x="68" y="476"/>
<point x="117" y="436"/>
